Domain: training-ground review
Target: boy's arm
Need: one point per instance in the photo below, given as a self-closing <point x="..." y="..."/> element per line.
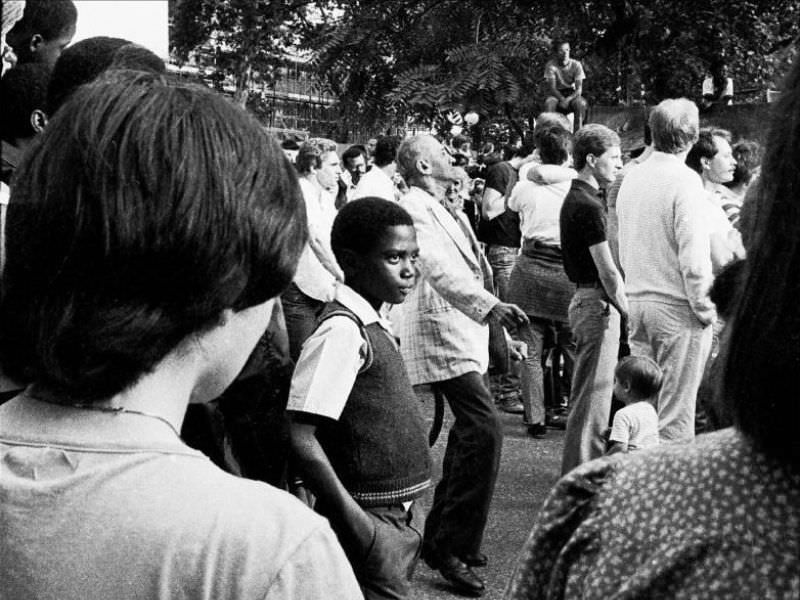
<point x="353" y="526"/>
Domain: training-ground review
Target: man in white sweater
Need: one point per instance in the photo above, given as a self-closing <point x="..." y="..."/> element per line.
<point x="665" y="253"/>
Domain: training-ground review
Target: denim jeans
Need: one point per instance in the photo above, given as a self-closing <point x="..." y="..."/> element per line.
<point x="502" y="260"/>
<point x="300" y="313"/>
<point x="534" y="335"/>
<point x="673" y="337"/>
<point x="595" y="327"/>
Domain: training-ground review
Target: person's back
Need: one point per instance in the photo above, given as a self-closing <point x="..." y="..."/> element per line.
<point x="93" y="512"/>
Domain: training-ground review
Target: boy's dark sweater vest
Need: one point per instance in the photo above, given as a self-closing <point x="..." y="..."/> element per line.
<point x="378" y="447"/>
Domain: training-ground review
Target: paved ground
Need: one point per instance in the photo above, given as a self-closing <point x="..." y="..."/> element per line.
<point x="528" y="469"/>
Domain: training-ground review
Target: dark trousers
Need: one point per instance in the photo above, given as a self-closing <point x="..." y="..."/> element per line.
<point x="461" y="501"/>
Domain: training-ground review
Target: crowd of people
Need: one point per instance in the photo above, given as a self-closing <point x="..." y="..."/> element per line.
<point x="165" y="260"/>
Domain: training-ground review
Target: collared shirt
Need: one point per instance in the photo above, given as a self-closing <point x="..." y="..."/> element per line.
<point x="312" y="277"/>
<point x="583" y="225"/>
<point x="332" y="357"/>
<point x="375" y="183"/>
<point x="539" y="207"/>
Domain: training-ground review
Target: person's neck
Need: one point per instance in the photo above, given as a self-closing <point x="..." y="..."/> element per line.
<point x="586" y="174"/>
<point x="389" y="169"/>
<point x="435" y="187"/>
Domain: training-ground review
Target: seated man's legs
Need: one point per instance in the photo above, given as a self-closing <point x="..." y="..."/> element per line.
<point x="460" y="509"/>
<point x="578" y="106"/>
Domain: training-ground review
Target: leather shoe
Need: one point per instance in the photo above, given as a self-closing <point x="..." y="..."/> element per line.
<point x="460" y="576"/>
<point x="537" y="430"/>
<point x="478" y="559"/>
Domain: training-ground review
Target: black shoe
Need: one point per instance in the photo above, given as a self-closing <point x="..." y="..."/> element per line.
<point x="556" y="420"/>
<point x="460" y="576"/>
<point x="537" y="430"/>
<point x="478" y="559"/>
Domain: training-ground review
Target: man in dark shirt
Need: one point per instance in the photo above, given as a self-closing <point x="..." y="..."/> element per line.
<point x="599" y="301"/>
<point x="499" y="230"/>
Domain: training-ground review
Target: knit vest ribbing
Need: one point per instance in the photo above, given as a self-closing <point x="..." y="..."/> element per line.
<point x="378" y="447"/>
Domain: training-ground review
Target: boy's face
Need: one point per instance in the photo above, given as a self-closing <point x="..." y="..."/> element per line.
<point x="389" y="271"/>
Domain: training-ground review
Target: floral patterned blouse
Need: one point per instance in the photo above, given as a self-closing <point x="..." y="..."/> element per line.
<point x="716" y="519"/>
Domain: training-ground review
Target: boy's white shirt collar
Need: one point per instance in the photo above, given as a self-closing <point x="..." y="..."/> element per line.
<point x="361" y="308"/>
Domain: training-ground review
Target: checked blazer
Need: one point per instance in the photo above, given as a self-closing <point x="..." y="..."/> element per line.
<point x="442" y="323"/>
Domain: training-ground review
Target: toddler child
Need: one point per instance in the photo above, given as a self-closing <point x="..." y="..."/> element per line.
<point x="637" y="381"/>
<point x="356" y="429"/>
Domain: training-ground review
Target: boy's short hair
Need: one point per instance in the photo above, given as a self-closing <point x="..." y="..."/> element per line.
<point x="593" y="139"/>
<point x="23" y="89"/>
<point x="359" y="225"/>
<point x="48" y="18"/>
<point x="309" y="156"/>
<point x="86" y="60"/>
<point x="386" y="150"/>
<point x="147" y="207"/>
<point x="642" y="374"/>
<point x="555" y="145"/>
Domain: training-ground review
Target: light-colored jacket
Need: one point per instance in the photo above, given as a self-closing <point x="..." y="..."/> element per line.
<point x="442" y="323"/>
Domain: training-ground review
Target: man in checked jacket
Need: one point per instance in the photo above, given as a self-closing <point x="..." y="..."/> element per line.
<point x="444" y="341"/>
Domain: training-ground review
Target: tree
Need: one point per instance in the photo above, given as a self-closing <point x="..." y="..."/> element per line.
<point x="245" y="38"/>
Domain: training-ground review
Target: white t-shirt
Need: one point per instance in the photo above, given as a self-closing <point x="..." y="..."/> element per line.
<point x="539" y="207"/>
<point x="312" y="278"/>
<point x="375" y="183"/>
<point x="636" y="425"/>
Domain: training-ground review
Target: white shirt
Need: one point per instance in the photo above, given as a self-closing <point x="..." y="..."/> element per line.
<point x="664" y="238"/>
<point x="539" y="207"/>
<point x="375" y="183"/>
<point x="636" y="425"/>
<point x="312" y="278"/>
<point x="331" y="359"/>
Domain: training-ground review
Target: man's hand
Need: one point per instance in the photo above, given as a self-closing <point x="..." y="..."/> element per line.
<point x="518" y="350"/>
<point x="509" y="315"/>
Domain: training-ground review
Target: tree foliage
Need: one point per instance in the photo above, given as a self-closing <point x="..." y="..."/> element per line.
<point x="423" y="56"/>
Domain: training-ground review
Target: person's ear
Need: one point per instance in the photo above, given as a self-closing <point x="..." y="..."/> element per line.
<point x="38" y="120"/>
<point x="423" y="166"/>
<point x="591" y="160"/>
<point x="705" y="162"/>
<point x="36" y="41"/>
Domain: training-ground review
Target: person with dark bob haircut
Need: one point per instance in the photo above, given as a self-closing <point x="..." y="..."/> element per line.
<point x="150" y="227"/>
<point x="717" y="518"/>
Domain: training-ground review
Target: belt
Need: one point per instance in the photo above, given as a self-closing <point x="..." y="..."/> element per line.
<point x="590" y="284"/>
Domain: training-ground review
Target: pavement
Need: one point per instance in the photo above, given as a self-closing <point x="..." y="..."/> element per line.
<point x="528" y="469"/>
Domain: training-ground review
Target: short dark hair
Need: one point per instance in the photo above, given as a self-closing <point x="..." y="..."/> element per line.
<point x="748" y="159"/>
<point x="555" y="145"/>
<point x="705" y="147"/>
<point x="359" y="225"/>
<point x="592" y="139"/>
<point x="725" y="289"/>
<point x="84" y="61"/>
<point x="353" y="152"/>
<point x="642" y="374"/>
<point x="290" y="144"/>
<point x="310" y="153"/>
<point x="523" y="150"/>
<point x="48" y="18"/>
<point x="386" y="150"/>
<point x="22" y="90"/>
<point x="147" y="207"/>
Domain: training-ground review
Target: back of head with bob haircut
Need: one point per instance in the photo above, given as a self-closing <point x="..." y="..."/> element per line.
<point x="310" y="154"/>
<point x="763" y="350"/>
<point x="359" y="225"/>
<point x="592" y="139"/>
<point x="674" y="125"/>
<point x="642" y="374"/>
<point x="386" y="150"/>
<point x="705" y="147"/>
<point x="555" y="145"/>
<point x="146" y="208"/>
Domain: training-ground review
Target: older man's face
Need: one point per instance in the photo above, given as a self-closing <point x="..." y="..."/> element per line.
<point x="441" y="162"/>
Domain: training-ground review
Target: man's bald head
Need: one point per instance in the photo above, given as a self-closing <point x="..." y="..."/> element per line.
<point x="422" y="157"/>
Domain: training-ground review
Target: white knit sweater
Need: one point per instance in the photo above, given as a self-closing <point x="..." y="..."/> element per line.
<point x="664" y="242"/>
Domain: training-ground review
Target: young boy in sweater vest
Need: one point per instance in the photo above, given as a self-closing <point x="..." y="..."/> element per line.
<point x="356" y="430"/>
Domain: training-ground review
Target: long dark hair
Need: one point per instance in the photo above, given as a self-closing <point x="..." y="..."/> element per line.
<point x="763" y="353"/>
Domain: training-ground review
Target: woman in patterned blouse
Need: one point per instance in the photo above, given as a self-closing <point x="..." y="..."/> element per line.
<point x="719" y="518"/>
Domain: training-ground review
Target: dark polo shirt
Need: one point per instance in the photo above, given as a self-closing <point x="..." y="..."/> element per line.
<point x="583" y="224"/>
